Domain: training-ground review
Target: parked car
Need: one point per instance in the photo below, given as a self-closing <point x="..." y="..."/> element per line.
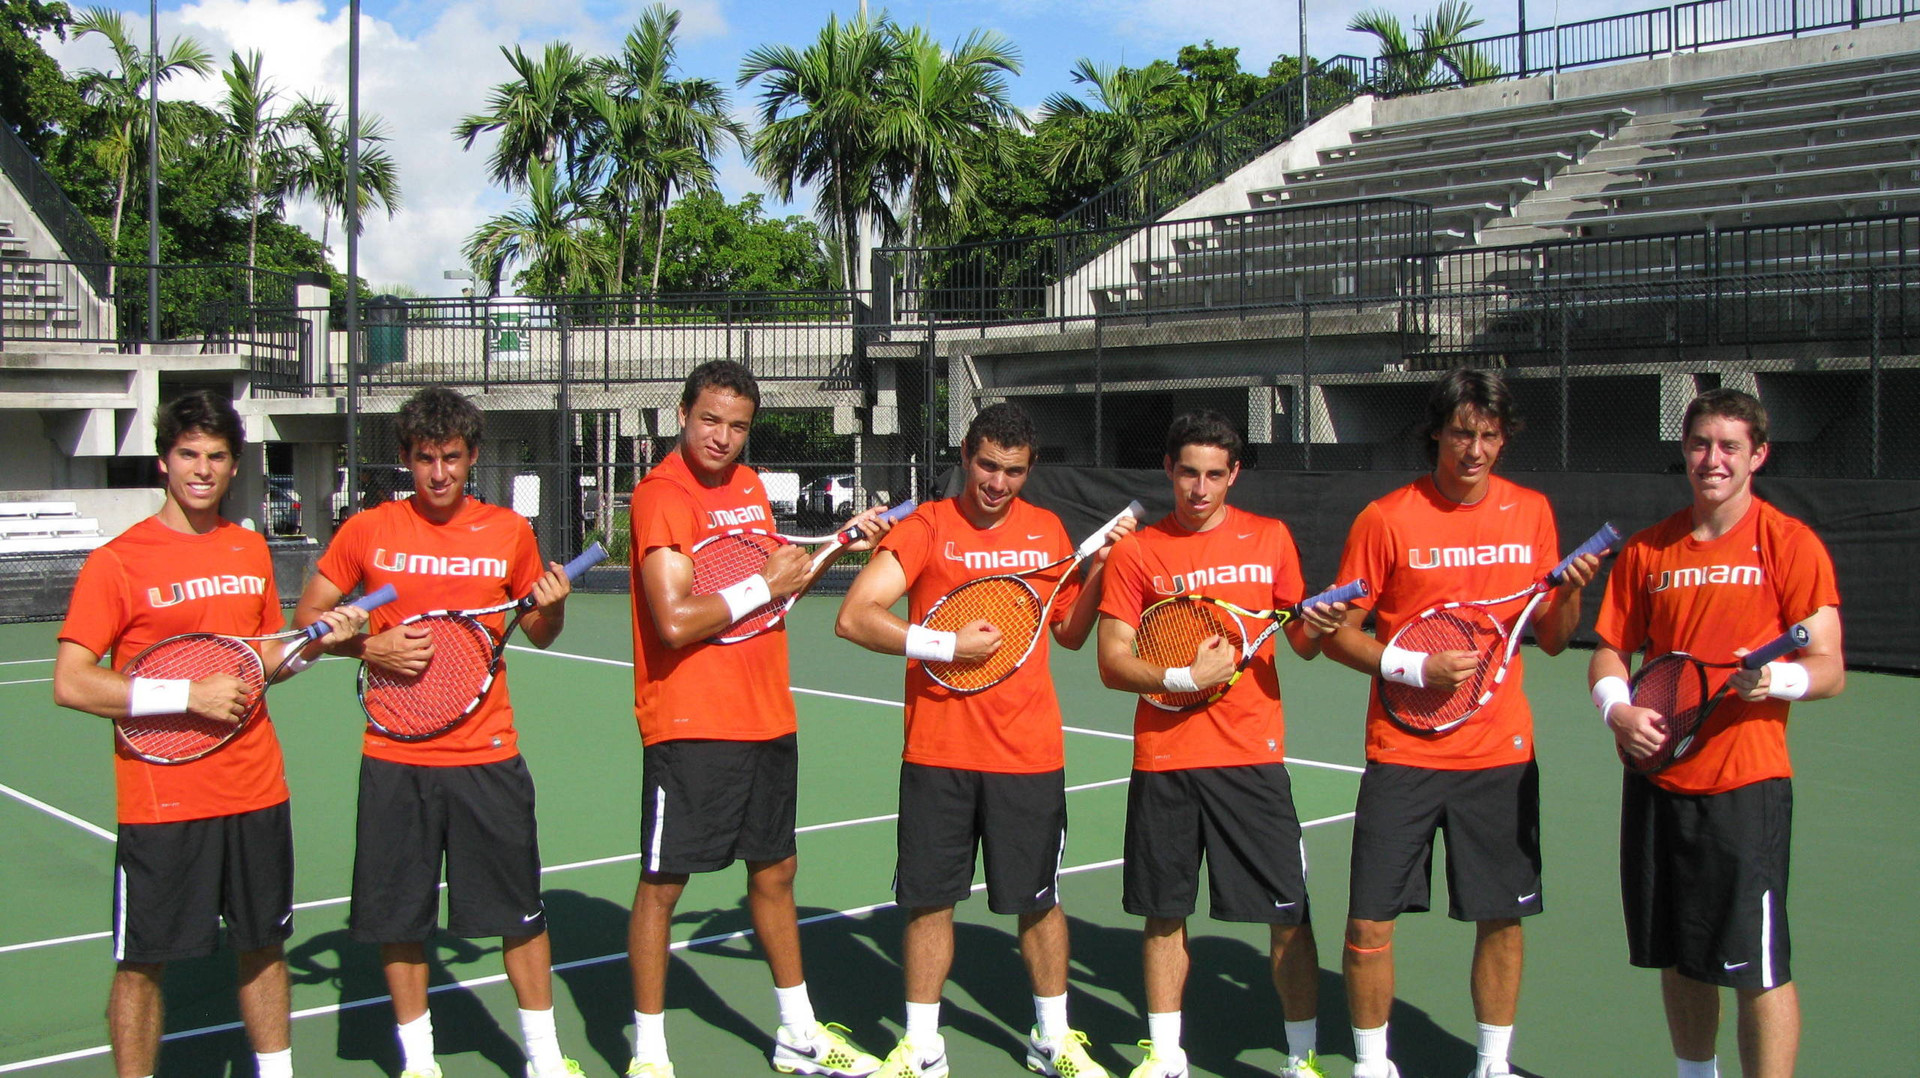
<point x="283" y="506"/>
<point x="828" y="498"/>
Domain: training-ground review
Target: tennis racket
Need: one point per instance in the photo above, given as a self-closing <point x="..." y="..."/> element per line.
<point x="466" y="658"/>
<point x="1012" y="606"/>
<point x="176" y="739"/>
<point x="1470" y="625"/>
<point x="721" y="561"/>
<point x="1172" y="631"/>
<point x="1675" y="685"/>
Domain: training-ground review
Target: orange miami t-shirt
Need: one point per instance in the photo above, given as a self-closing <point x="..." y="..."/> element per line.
<point x="719" y="692"/>
<point x="1013" y="727"/>
<point x="1415" y="548"/>
<point x="1246" y="559"/>
<point x="1671" y="592"/>
<point x="483" y="556"/>
<point x="151" y="583"/>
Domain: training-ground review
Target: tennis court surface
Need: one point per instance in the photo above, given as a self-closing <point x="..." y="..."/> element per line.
<point x="1855" y="911"/>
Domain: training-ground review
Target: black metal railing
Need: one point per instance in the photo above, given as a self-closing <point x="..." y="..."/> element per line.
<point x="1634" y="35"/>
<point x="1350" y="250"/>
<point x="1207" y="157"/>
<point x="69" y="227"/>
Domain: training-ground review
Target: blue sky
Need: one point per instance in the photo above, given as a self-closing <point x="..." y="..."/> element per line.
<point x="425" y="64"/>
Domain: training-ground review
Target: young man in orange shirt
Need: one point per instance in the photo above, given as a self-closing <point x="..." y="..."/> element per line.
<point x="210" y="839"/>
<point x="1479" y="781"/>
<point x="464" y="796"/>
<point x="985" y="768"/>
<point x="1704" y="843"/>
<point x="1212" y="783"/>
<point x="720" y="771"/>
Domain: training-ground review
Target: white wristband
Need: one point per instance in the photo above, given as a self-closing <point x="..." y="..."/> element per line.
<point x="294" y="659"/>
<point x="1403" y="666"/>
<point x="1607" y="692"/>
<point x="746" y="597"/>
<point x="157" y="696"/>
<point x="1787" y="681"/>
<point x="930" y="644"/>
<point x="1179" y="679"/>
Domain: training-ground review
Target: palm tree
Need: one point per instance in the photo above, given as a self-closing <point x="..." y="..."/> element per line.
<point x="550" y="234"/>
<point x="121" y="98"/>
<point x="318" y="162"/>
<point x="539" y="114"/>
<point x="821" y="110"/>
<point x="253" y="137"/>
<point x="1409" y="67"/>
<point x="1123" y="127"/>
<point x="948" y="116"/>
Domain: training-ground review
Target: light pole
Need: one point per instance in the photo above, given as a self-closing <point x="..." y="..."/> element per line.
<point x="353" y="243"/>
<point x="153" y="172"/>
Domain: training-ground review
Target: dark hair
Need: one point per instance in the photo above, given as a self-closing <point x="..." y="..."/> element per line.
<point x="1729" y="404"/>
<point x="720" y="374"/>
<point x="1204" y="427"/>
<point x="1483" y="391"/>
<point x="434" y="416"/>
<point x="1005" y="425"/>
<point x="201" y="410"/>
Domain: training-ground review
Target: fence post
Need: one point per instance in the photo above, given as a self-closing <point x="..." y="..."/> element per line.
<point x="1099" y="385"/>
<point x="569" y="498"/>
<point x="1566" y="392"/>
<point x="1873" y="373"/>
<point x="1305" y="403"/>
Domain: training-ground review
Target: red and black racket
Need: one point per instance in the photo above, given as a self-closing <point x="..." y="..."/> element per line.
<point x="178" y="738"/>
<point x="1008" y="602"/>
<point x="1676" y="686"/>
<point x="1172" y="631"/>
<point x="1470" y="625"/>
<point x="466" y="659"/>
<point x="721" y="561"/>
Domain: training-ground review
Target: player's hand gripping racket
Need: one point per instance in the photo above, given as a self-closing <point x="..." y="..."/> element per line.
<point x="1011" y="605"/>
<point x="1471" y="626"/>
<point x="178" y="738"/>
<point x="1675" y="685"/>
<point x="1172" y="631"/>
<point x="721" y="561"/>
<point x="466" y="658"/>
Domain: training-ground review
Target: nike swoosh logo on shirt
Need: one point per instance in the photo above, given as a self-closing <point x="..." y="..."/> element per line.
<point x="1033" y="537"/>
<point x="1247" y="535"/>
<point x="746" y="490"/>
<point x="476" y="527"/>
<point x="1508" y="506"/>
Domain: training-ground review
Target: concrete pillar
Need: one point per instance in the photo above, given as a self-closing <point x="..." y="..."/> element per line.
<point x="315" y="476"/>
<point x="313" y="301"/>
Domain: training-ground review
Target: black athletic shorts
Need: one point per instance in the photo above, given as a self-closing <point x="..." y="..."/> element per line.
<point x="1492" y="820"/>
<point x="706" y="804"/>
<point x="946" y="815"/>
<point x="1704" y="880"/>
<point x="479" y="818"/>
<point x="174" y="883"/>
<point x="1241" y="819"/>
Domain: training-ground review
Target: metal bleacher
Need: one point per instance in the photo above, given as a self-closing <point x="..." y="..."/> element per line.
<point x="46" y="528"/>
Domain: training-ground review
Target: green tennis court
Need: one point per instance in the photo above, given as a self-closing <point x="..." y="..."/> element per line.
<point x="1583" y="1010"/>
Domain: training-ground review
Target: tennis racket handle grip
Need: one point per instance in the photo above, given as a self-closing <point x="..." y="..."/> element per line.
<point x="1345" y="593"/>
<point x="372" y="600"/>
<point x="892" y="516"/>
<point x="1601" y="541"/>
<point x="585" y="560"/>
<point x="1792" y="640"/>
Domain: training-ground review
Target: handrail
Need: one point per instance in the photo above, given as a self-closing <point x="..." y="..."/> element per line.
<point x="75" y="234"/>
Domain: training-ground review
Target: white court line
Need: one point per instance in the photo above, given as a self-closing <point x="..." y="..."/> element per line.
<point x="561" y="967"/>
<point x="28" y="681"/>
<point x="23" y="662"/>
<point x="60" y="814"/>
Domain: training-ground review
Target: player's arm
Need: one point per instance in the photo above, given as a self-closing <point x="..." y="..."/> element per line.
<point x="404" y="648"/>
<point x="1639" y="731"/>
<point x="867" y="618"/>
<point x="1553" y="630"/>
<point x="1351" y="645"/>
<point x="873" y="528"/>
<point x="1307" y="636"/>
<point x="548" y="617"/>
<point x="1822" y="661"/>
<point x="1072" y="630"/>
<point x="1121" y="669"/>
<point x="81" y="683"/>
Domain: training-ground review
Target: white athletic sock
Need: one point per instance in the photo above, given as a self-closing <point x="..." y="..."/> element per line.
<point x="649" y="1037"/>
<point x="1303" y="1038"/>
<point x="1050" y="1016"/>
<point x="923" y="1022"/>
<point x="1495" y="1043"/>
<point x="274" y="1064"/>
<point x="1697" y="1068"/>
<point x="416" y="1043"/>
<point x="543" y="1043"/>
<point x="796" y="1010"/>
<point x="1369" y="1045"/>
<point x="1163" y="1030"/>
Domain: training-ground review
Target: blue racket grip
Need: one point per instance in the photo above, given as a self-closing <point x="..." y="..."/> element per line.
<point x="372" y="600"/>
<point x="585" y="560"/>
<point x="1792" y="640"/>
<point x="1345" y="593"/>
<point x="1603" y="540"/>
<point x="892" y="516"/>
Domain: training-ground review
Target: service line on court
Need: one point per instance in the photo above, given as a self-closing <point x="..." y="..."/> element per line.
<point x="559" y="967"/>
<point x="58" y="814"/>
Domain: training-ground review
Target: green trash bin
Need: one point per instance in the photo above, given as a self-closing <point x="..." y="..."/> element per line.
<point x="386" y="331"/>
